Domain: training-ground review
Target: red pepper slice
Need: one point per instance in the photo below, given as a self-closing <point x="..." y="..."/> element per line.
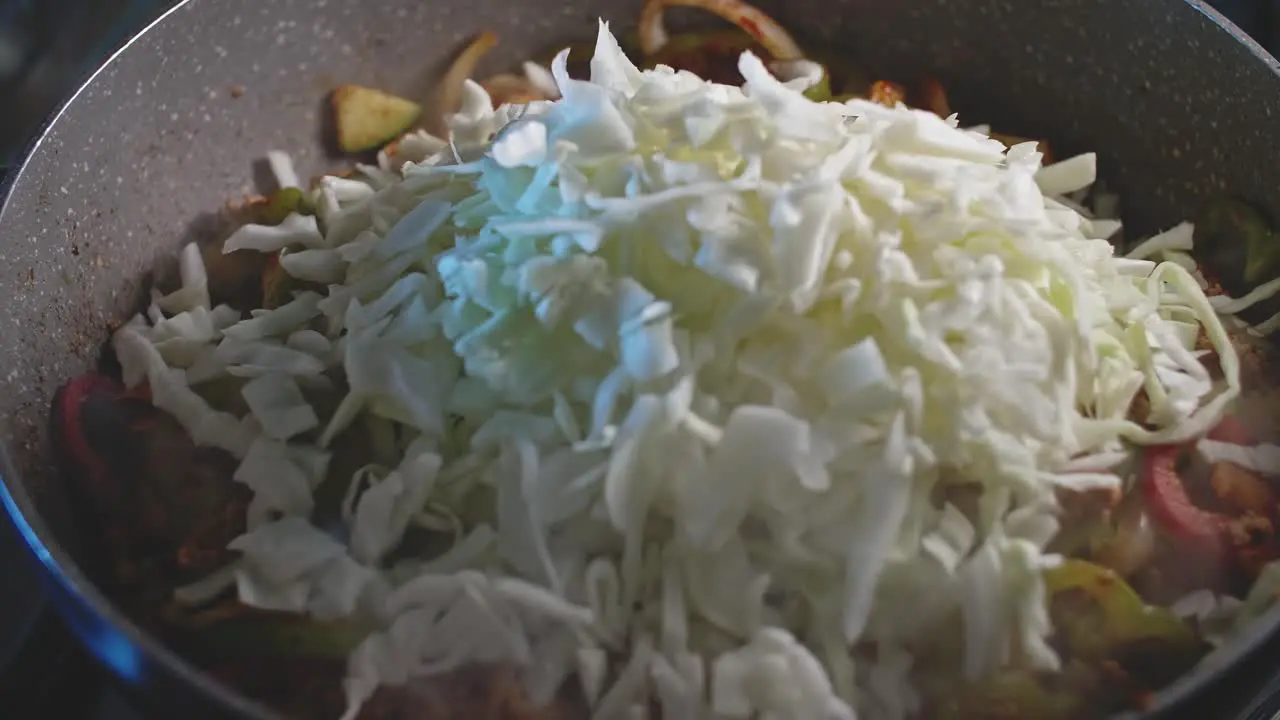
<point x="1169" y="504"/>
<point x="68" y="424"/>
<point x="83" y="461"/>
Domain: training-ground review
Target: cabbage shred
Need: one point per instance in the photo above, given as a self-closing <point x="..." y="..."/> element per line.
<point x="688" y="370"/>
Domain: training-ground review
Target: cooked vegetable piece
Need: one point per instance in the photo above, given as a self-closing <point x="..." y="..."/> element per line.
<point x="844" y="77"/>
<point x="506" y="88"/>
<point x="237" y="278"/>
<point x="821" y="92"/>
<point x="762" y="28"/>
<point x="281" y="205"/>
<point x="1016" y="695"/>
<point x="1112" y="616"/>
<point x="366" y="119"/>
<point x="1236" y="242"/>
<point x="276" y="286"/>
<point x="278" y="635"/>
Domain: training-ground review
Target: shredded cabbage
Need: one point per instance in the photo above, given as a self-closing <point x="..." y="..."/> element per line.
<point x="687" y="364"/>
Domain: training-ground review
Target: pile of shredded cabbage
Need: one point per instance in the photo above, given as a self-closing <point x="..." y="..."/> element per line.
<point x="683" y="370"/>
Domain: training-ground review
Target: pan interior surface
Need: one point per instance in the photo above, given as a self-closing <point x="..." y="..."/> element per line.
<point x="1177" y="109"/>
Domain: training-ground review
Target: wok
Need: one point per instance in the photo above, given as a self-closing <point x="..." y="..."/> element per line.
<point x="1177" y="102"/>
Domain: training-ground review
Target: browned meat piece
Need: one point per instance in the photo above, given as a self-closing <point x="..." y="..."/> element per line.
<point x="307" y="689"/>
<point x="1253" y="545"/>
<point x="162" y="502"/>
<point x="1242" y="489"/>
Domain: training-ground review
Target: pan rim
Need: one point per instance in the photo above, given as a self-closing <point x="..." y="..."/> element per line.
<point x="114" y="628"/>
<point x="113" y="625"/>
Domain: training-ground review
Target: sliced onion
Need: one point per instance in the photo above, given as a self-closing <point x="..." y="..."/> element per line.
<point x="1134" y="541"/>
<point x="463" y="67"/>
<point x="508" y="89"/>
<point x="762" y="28"/>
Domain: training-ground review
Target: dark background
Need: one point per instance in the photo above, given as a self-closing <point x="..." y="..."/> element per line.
<point x="47" y="49"/>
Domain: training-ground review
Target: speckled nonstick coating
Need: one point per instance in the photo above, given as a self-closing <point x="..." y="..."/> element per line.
<point x="1176" y="103"/>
